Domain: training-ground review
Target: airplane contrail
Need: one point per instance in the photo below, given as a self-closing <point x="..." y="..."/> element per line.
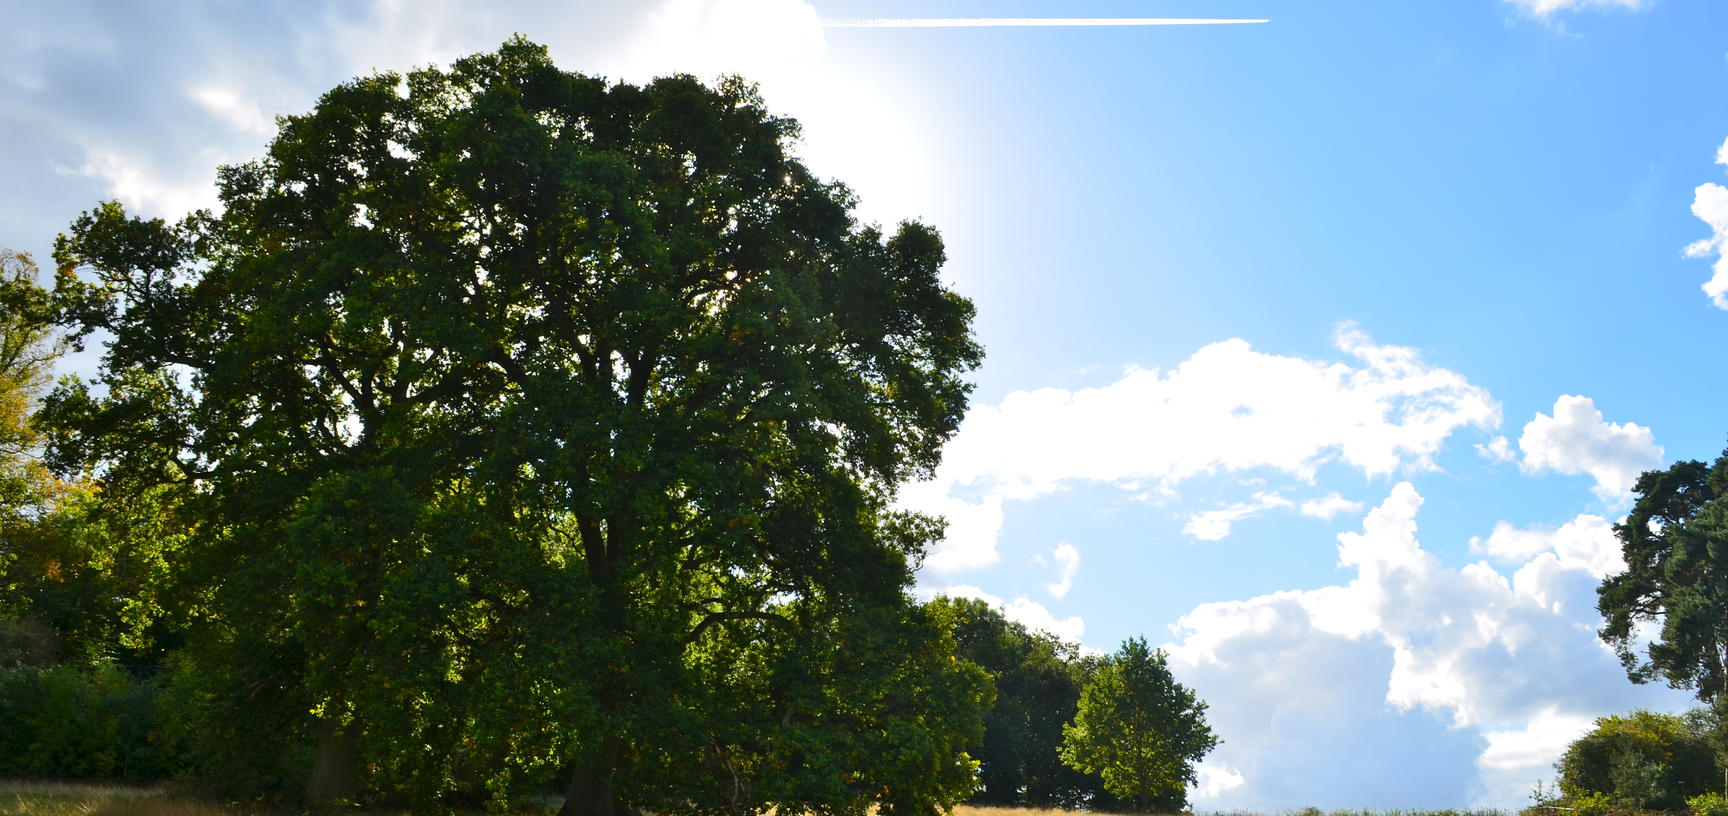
<point x="1004" y="22"/>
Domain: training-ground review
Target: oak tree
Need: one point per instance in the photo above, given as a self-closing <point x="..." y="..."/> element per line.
<point x="506" y="392"/>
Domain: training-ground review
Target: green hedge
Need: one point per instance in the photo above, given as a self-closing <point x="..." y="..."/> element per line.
<point x="77" y="722"/>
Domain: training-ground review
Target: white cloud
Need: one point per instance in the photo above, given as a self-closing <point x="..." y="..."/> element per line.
<point x="1022" y="610"/>
<point x="1067" y="558"/>
<point x="1519" y="755"/>
<point x="1214" y="780"/>
<point x="1331" y="505"/>
<point x="1537" y="744"/>
<point x="1497" y="450"/>
<point x="232" y="109"/>
<point x="1577" y="440"/>
<point x="1228" y="408"/>
<point x="1586" y="542"/>
<point x="1710" y="204"/>
<point x="1546" y="8"/>
<point x="1477" y="678"/>
<point x="1214" y="525"/>
<point x="132" y="181"/>
<point x="127" y="96"/>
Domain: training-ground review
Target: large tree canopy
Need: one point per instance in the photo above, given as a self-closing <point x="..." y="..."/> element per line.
<point x="510" y="396"/>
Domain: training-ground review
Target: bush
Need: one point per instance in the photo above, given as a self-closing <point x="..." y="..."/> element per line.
<point x="1590" y="804"/>
<point x="1708" y="804"/>
<point x="237" y="733"/>
<point x="74" y="722"/>
<point x="1639" y="761"/>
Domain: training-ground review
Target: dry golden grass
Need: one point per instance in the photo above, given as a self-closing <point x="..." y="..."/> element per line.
<point x="977" y="810"/>
<point x="974" y="810"/>
<point x="30" y="798"/>
<point x="25" y="798"/>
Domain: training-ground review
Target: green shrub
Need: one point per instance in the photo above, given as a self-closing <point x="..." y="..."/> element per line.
<point x="1643" y="760"/>
<point x="1708" y="804"/>
<point x="239" y="735"/>
<point x="1590" y="804"/>
<point x="74" y="722"/>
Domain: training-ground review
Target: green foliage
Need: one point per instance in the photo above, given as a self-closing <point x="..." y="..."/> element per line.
<point x="495" y="400"/>
<point x="28" y="349"/>
<point x="82" y="723"/>
<point x="1675" y="543"/>
<point x="1139" y="729"/>
<point x="1708" y="804"/>
<point x="1590" y="803"/>
<point x="28" y="494"/>
<point x="1038" y="680"/>
<point x="1643" y="760"/>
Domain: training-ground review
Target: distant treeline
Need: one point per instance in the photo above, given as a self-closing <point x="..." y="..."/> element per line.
<point x="82" y="705"/>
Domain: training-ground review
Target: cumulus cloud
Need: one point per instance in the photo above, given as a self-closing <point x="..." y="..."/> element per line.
<point x="1548" y="8"/>
<point x="1578" y="440"/>
<point x="1515" y="756"/>
<point x="1022" y="610"/>
<point x="1710" y="204"/>
<point x="1067" y="558"/>
<point x="1479" y="678"/>
<point x="1586" y="542"/>
<point x="1532" y="746"/>
<point x="1228" y="408"/>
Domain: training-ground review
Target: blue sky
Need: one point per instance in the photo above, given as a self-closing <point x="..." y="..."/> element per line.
<point x="1321" y="351"/>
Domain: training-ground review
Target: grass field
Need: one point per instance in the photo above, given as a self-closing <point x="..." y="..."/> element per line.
<point x="67" y="799"/>
<point x="63" y="799"/>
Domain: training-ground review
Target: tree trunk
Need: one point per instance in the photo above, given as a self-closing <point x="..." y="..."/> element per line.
<point x="335" y="767"/>
<point x="590" y="794"/>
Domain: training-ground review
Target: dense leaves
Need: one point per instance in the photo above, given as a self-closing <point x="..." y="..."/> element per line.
<point x="1675" y="544"/>
<point x="1038" y="680"/>
<point x="504" y="408"/>
<point x="1642" y="760"/>
<point x="1139" y="729"/>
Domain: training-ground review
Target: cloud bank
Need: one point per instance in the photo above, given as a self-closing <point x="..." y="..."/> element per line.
<point x="1478" y="678"/>
<point x="1228" y="408"/>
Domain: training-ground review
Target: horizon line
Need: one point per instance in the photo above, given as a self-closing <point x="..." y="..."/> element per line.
<point x="1016" y="22"/>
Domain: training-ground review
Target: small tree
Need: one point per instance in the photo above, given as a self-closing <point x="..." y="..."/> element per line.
<point x="1139" y="729"/>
